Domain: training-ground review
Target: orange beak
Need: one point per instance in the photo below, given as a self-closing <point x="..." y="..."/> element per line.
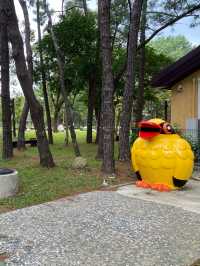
<point x="149" y="129"/>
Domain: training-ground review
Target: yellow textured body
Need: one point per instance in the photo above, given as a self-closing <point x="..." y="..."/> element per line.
<point x="161" y="158"/>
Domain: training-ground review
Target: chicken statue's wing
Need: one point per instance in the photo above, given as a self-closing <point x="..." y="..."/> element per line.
<point x="184" y="160"/>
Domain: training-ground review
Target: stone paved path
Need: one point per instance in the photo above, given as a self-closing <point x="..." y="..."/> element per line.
<point x="101" y="228"/>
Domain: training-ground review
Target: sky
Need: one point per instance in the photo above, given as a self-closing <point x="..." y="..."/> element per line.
<point x="180" y="28"/>
<point x="54" y="4"/>
<point x="183" y="28"/>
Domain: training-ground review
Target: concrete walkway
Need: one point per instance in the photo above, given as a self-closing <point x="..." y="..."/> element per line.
<point x="102" y="228"/>
<point x="188" y="198"/>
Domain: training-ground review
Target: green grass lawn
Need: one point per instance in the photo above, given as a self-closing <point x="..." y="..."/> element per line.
<point x="39" y="184"/>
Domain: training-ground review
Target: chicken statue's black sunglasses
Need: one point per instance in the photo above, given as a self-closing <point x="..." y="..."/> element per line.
<point x="164" y="129"/>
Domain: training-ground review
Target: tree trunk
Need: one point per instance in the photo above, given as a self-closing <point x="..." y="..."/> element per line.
<point x="97" y="115"/>
<point x="85" y="7"/>
<point x="91" y="101"/>
<point x="8" y="15"/>
<point x="62" y="8"/>
<point x="44" y="84"/>
<point x="13" y="118"/>
<point x="57" y="107"/>
<point x="66" y="129"/>
<point x="29" y="52"/>
<point x="7" y="151"/>
<point x="97" y="102"/>
<point x="108" y="165"/>
<point x="118" y="115"/>
<point x="99" y="155"/>
<point x="55" y="120"/>
<point x="61" y="67"/>
<point x="22" y="127"/>
<point x="140" y="95"/>
<point x="124" y="149"/>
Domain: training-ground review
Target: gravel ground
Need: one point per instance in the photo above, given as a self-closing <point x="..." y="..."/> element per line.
<point x="100" y="228"/>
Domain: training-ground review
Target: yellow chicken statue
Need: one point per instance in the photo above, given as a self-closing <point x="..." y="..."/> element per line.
<point x="161" y="159"/>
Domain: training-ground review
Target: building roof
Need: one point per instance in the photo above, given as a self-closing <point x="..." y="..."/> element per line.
<point x="178" y="70"/>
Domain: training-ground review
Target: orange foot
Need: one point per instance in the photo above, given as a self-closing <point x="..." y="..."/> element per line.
<point x="160" y="187"/>
<point x="143" y="184"/>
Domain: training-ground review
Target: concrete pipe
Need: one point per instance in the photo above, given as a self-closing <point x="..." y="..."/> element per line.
<point x="9" y="183"/>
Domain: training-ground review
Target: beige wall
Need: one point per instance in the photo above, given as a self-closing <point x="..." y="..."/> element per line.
<point x="184" y="100"/>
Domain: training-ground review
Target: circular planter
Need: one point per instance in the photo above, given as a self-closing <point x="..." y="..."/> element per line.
<point x="9" y="183"/>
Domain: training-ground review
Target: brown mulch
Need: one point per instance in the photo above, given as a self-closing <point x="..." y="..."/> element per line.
<point x="5" y="209"/>
<point x="196" y="263"/>
<point x="3" y="256"/>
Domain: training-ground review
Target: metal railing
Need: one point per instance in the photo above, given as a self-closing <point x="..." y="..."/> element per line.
<point x="193" y="137"/>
